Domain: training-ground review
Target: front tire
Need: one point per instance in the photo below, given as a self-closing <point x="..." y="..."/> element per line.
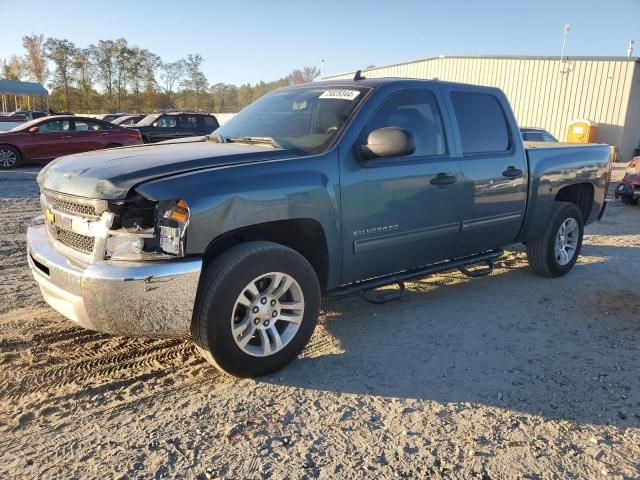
<point x="9" y="157"/>
<point x="257" y="307"/>
<point x="557" y="251"/>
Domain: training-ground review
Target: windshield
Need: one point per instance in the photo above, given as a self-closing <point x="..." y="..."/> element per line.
<point x="149" y="119"/>
<point x="306" y="119"/>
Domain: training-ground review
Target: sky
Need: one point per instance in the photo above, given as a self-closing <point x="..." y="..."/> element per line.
<point x="248" y="41"/>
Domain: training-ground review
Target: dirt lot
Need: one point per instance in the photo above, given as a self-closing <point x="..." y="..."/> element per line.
<point x="511" y="376"/>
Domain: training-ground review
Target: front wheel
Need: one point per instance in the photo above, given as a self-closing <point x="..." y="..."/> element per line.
<point x="557" y="251"/>
<point x="9" y="157"/>
<point x="257" y="307"/>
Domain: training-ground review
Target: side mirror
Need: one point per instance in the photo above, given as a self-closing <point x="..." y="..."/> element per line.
<point x="34" y="130"/>
<point x="388" y="142"/>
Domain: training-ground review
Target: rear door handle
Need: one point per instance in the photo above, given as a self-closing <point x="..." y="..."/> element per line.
<point x="512" y="172"/>
<point x="66" y="136"/>
<point x="442" y="180"/>
<point x="104" y="134"/>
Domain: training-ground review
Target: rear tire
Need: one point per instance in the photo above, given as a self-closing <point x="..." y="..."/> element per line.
<point x="627" y="200"/>
<point x="10" y="157"/>
<point x="557" y="251"/>
<point x="257" y="307"/>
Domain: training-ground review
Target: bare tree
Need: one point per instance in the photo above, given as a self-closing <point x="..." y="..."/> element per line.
<point x="171" y="73"/>
<point x="35" y="60"/>
<point x="195" y="80"/>
<point x="13" y="69"/>
<point x="85" y="72"/>
<point x="61" y="53"/>
<point x="307" y="74"/>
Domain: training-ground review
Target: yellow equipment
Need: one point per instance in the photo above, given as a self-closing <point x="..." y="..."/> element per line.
<point x="582" y="131"/>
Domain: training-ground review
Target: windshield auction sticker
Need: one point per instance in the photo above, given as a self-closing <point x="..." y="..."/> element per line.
<point x="340" y="94"/>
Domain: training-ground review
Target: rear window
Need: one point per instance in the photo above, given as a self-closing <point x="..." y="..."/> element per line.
<point x="483" y="126"/>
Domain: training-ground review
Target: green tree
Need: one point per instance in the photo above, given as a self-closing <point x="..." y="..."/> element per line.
<point x="195" y="80"/>
<point x="61" y="53"/>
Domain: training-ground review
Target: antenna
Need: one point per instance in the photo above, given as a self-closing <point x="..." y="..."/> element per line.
<point x="566" y="29"/>
<point x="630" y="48"/>
<point x="358" y="76"/>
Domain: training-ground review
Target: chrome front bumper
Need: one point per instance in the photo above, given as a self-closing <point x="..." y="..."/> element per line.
<point x="153" y="299"/>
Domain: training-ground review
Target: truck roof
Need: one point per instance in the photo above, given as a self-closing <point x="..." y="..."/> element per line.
<point x="377" y="82"/>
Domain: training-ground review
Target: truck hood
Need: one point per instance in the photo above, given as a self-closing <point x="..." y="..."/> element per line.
<point x="110" y="174"/>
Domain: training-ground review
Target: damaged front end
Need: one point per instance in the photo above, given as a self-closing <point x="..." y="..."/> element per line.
<point x="116" y="266"/>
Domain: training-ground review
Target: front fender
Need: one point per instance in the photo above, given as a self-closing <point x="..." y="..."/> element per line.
<point x="229" y="198"/>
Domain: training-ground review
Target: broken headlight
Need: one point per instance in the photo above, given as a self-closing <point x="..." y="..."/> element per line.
<point x="147" y="230"/>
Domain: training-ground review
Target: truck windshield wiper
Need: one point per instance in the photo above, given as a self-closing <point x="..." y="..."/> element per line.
<point x="255" y="140"/>
<point x="214" y="137"/>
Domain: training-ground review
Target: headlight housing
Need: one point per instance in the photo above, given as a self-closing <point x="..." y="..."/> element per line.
<point x="147" y="230"/>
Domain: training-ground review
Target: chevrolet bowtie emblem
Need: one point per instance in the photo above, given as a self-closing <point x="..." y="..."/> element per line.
<point x="49" y="216"/>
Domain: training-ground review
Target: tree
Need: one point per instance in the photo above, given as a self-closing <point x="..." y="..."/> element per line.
<point x="307" y="74"/>
<point x="103" y="56"/>
<point x="61" y="53"/>
<point x="195" y="80"/>
<point x="171" y="73"/>
<point x="35" y="61"/>
<point x="85" y="70"/>
<point x="13" y="69"/>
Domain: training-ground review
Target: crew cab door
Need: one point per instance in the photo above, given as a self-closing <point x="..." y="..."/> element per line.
<point x="494" y="171"/>
<point x="399" y="213"/>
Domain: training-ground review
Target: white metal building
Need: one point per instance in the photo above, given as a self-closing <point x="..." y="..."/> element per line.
<point x="547" y="92"/>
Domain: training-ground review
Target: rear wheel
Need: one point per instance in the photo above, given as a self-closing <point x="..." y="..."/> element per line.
<point x="257" y="307"/>
<point x="9" y="157"/>
<point x="557" y="251"/>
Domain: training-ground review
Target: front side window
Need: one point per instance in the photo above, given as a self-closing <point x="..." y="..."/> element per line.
<point x="417" y="112"/>
<point x="483" y="126"/>
<point x="532" y="137"/>
<point x="166" y="121"/>
<point x="55" y="126"/>
<point x="307" y="119"/>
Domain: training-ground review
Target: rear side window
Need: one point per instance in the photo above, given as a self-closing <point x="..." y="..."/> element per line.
<point x="483" y="126"/>
<point x="532" y="137"/>
<point x="210" y="122"/>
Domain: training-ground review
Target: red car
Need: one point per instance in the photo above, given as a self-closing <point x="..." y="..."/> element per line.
<point x="629" y="189"/>
<point x="51" y="137"/>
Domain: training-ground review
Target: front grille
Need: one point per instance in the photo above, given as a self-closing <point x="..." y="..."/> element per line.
<point x="74" y="240"/>
<point x="71" y="207"/>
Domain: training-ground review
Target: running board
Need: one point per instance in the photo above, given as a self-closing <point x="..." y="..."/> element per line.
<point x="458" y="263"/>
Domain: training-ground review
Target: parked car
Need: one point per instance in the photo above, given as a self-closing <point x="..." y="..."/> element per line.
<point x="51" y="137"/>
<point x="171" y="125"/>
<point x="629" y="188"/>
<point x="29" y="114"/>
<point x="531" y="134"/>
<point x="325" y="188"/>
<point x="128" y="120"/>
<point x="110" y="117"/>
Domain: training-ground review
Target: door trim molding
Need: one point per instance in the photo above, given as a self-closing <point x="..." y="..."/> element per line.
<point x="470" y="225"/>
<point x="401" y="238"/>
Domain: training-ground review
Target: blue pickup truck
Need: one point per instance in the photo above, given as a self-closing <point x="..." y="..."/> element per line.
<point x="327" y="188"/>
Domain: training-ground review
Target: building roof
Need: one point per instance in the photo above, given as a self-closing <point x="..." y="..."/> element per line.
<point x="492" y="57"/>
<point x="14" y="87"/>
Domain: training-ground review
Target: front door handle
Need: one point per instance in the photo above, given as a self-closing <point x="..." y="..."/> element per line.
<point x="104" y="134"/>
<point x="512" y="172"/>
<point x="67" y="136"/>
<point x="442" y="180"/>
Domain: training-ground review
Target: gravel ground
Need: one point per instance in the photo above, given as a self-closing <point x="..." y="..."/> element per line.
<point x="508" y="376"/>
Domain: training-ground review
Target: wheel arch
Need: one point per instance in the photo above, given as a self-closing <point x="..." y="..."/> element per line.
<point x="580" y="194"/>
<point x="304" y="235"/>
